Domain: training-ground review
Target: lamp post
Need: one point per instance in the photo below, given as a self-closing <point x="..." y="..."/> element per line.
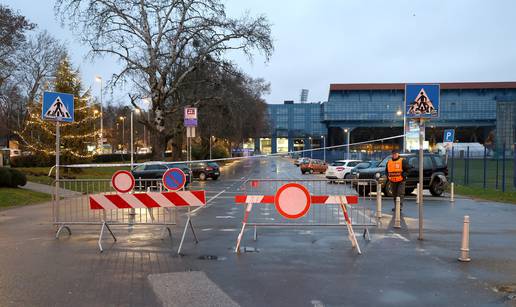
<point x="211" y="136"/>
<point x="400" y="113"/>
<point x="348" y="132"/>
<point x="122" y="118"/>
<point x="99" y="79"/>
<point x="95" y="112"/>
<point x="311" y="151"/>
<point x="324" y="147"/>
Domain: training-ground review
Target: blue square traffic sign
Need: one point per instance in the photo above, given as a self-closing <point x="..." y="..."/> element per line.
<point x="58" y="107"/>
<point x="449" y="136"/>
<point x="422" y="100"/>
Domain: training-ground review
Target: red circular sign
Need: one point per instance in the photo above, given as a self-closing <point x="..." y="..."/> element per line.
<point x="292" y="200"/>
<point x="174" y="179"/>
<point x="122" y="181"/>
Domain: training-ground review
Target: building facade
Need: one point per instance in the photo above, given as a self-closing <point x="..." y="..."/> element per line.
<point x="480" y="112"/>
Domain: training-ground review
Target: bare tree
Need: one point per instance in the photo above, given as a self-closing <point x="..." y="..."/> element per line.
<point x="160" y="43"/>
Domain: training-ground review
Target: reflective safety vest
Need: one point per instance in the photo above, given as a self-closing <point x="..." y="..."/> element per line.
<point x="395" y="170"/>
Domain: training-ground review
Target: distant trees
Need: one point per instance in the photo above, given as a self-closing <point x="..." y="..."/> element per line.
<point x="161" y="45"/>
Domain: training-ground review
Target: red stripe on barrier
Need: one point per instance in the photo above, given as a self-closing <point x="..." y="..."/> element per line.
<point x="175" y="199"/>
<point x="201" y="195"/>
<point x="240" y="199"/>
<point x="94" y="205"/>
<point x="268" y="199"/>
<point x="147" y="200"/>
<point x="352" y="200"/>
<point x="319" y="199"/>
<point x="118" y="201"/>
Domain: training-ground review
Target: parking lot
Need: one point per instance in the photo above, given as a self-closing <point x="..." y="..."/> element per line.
<point x="286" y="266"/>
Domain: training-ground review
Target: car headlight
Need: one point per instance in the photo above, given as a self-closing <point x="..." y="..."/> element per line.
<point x="357" y="175"/>
<point x="377" y="175"/>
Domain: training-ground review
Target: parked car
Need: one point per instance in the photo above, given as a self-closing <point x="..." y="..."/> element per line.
<point x="435" y="171"/>
<point x="300" y="161"/>
<point x="313" y="166"/>
<point x="205" y="170"/>
<point x="155" y="170"/>
<point x="363" y="165"/>
<point x="341" y="169"/>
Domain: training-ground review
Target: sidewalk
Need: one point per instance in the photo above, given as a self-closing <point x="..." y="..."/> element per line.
<point x="43" y="188"/>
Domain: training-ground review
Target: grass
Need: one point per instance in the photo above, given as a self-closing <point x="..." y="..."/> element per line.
<point x="11" y="197"/>
<point x="487" y="194"/>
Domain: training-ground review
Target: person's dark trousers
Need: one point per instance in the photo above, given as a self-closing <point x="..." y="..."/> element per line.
<point x="398" y="190"/>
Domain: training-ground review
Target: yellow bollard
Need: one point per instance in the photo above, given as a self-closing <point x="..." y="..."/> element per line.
<point x="397" y="214"/>
<point x="464" y="250"/>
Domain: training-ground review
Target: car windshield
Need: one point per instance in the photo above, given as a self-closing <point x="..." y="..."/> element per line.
<point x="336" y="163"/>
<point x="384" y="161"/>
<point x="363" y="165"/>
<point x="213" y="164"/>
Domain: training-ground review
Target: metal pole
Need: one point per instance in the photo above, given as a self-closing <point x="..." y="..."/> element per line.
<point x="210" y="146"/>
<point x="466" y="166"/>
<point x="349" y="132"/>
<point x="311" y="146"/>
<point x="420" y="192"/>
<point x="324" y="148"/>
<point x="485" y="168"/>
<point x="514" y="167"/>
<point x="101" y="119"/>
<point x="452" y="162"/>
<point x="132" y="142"/>
<point x="58" y="152"/>
<point x="503" y="168"/>
<point x="496" y="180"/>
<point x="123" y="134"/>
<point x="404" y="132"/>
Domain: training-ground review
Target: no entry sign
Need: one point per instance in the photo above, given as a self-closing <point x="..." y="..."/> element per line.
<point x="174" y="179"/>
<point x="122" y="181"/>
<point x="292" y="200"/>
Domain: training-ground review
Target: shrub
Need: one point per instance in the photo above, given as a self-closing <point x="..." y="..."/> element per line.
<point x="17" y="178"/>
<point x="5" y="177"/>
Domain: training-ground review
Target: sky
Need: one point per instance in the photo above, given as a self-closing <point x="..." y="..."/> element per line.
<point x="348" y="41"/>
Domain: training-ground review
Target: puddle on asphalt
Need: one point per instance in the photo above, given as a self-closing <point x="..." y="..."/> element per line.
<point x="211" y="257"/>
<point x="509" y="288"/>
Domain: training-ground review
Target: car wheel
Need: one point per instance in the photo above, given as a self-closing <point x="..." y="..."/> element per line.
<point x="388" y="189"/>
<point x="215" y="178"/>
<point x="347" y="176"/>
<point x="202" y="176"/>
<point x="437" y="187"/>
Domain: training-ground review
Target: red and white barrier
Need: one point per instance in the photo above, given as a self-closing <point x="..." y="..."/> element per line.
<point x="315" y="199"/>
<point x="148" y="200"/>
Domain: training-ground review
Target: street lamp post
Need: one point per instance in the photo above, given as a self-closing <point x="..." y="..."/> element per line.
<point x="348" y="132"/>
<point x="122" y="118"/>
<point x="211" y="136"/>
<point x="99" y="79"/>
<point x="400" y="113"/>
<point x="311" y="151"/>
<point x="324" y="147"/>
<point x="137" y="111"/>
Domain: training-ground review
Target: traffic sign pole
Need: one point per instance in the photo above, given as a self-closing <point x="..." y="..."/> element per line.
<point x="58" y="152"/>
<point x="420" y="192"/>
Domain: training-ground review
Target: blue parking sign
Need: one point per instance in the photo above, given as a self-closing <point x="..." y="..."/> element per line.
<point x="422" y="100"/>
<point x="449" y="136"/>
<point x="58" y="107"/>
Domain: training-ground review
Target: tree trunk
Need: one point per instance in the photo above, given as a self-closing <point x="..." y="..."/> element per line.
<point x="159" y="145"/>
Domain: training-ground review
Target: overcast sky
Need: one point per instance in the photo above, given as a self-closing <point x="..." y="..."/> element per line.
<point x="352" y="41"/>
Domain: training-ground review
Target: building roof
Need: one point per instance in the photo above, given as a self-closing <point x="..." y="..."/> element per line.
<point x="401" y="86"/>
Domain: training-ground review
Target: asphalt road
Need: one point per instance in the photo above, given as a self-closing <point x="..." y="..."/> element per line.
<point x="286" y="266"/>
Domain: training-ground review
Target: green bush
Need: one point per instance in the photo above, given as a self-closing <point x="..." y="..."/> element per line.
<point x="11" y="178"/>
<point x="5" y="177"/>
<point x="219" y="151"/>
<point x="17" y="178"/>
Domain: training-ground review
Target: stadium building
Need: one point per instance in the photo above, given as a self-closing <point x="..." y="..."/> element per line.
<point x="480" y="112"/>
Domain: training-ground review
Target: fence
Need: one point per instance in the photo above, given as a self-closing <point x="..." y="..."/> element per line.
<point x="71" y="207"/>
<point x="362" y="215"/>
<point x="487" y="169"/>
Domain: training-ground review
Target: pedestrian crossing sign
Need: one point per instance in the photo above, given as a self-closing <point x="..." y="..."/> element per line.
<point x="58" y="107"/>
<point x="422" y="100"/>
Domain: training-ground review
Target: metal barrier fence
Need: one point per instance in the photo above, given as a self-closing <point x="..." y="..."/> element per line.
<point x="361" y="214"/>
<point x="70" y="206"/>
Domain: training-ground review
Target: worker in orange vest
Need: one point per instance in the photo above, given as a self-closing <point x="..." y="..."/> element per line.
<point x="396" y="170"/>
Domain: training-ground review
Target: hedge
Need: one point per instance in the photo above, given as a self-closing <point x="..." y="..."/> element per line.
<point x="11" y="178"/>
<point x="42" y="160"/>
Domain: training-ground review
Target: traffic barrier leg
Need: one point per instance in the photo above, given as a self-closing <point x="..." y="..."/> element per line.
<point x="58" y="232"/>
<point x="188" y="223"/>
<point x="397" y="214"/>
<point x="104" y="225"/>
<point x="244" y="222"/>
<point x="352" y="237"/>
<point x="452" y="192"/>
